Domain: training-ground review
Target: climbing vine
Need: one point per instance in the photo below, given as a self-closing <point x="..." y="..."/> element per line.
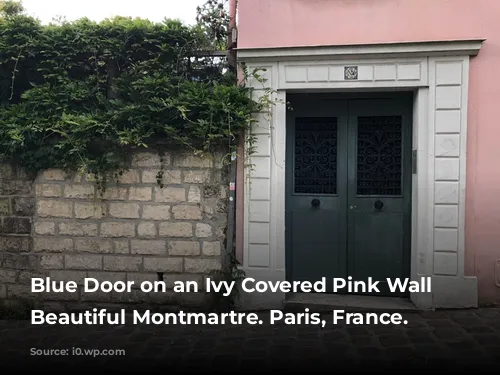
<point x="80" y="95"/>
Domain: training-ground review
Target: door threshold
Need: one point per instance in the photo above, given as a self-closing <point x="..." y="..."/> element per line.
<point x="319" y="302"/>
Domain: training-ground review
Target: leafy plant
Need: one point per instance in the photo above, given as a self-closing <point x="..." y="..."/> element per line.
<point x="79" y="95"/>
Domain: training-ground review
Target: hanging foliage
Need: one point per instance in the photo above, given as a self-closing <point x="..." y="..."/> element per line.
<point x="78" y="95"/>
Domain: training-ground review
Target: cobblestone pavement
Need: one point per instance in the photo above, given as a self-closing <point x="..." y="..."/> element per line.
<point x="430" y="339"/>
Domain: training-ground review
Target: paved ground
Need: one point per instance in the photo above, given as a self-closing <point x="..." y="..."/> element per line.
<point x="430" y="340"/>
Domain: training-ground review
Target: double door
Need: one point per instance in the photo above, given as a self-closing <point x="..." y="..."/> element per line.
<point x="348" y="198"/>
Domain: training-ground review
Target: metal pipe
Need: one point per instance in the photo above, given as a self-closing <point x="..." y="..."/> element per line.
<point x="232" y="13"/>
<point x="232" y="174"/>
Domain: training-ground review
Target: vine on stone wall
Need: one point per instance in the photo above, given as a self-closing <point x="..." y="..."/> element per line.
<point x="80" y="95"/>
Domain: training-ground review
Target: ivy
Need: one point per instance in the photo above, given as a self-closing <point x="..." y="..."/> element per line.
<point x="80" y="95"/>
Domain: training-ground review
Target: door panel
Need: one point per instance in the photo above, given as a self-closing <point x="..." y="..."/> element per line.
<point x="316" y="191"/>
<point x="348" y="182"/>
<point x="379" y="195"/>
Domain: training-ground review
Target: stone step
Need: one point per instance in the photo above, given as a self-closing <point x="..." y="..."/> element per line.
<point x="317" y="302"/>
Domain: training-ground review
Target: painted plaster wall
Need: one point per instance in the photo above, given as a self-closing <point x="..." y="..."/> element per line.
<point x="287" y="23"/>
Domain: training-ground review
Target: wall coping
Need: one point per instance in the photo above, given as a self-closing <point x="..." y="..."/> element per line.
<point x="463" y="47"/>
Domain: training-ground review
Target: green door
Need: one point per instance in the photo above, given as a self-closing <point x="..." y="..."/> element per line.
<point x="348" y="185"/>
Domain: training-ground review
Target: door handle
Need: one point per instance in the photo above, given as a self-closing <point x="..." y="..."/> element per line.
<point x="378" y="205"/>
<point x="315" y="202"/>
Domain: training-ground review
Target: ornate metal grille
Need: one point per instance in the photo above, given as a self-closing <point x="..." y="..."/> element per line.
<point x="315" y="159"/>
<point x="379" y="163"/>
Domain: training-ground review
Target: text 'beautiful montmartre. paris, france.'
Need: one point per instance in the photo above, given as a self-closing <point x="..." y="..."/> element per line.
<point x="248" y="285"/>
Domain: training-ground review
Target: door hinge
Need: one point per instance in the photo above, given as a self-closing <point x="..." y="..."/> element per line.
<point x="414" y="162"/>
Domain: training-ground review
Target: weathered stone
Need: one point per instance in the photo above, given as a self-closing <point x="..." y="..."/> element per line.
<point x="148" y="247"/>
<point x="184" y="212"/>
<point x="22" y="292"/>
<point x="7" y="171"/>
<point x="16" y="225"/>
<point x="62" y="296"/>
<point x="193" y="161"/>
<point x="117" y="229"/>
<point x="83" y="262"/>
<point x="80" y="191"/>
<point x="78" y="178"/>
<point x="168" y="229"/>
<point x="172" y="176"/>
<point x="8" y="276"/>
<point x="193" y="299"/>
<point x="25" y="277"/>
<point x="129" y="177"/>
<point x="53" y="306"/>
<point x="209" y="211"/>
<point x="197" y="177"/>
<point x="211" y="191"/>
<point x="171" y="279"/>
<point x="63" y="275"/>
<point x="115" y="193"/>
<point x="194" y="194"/>
<point x="5" y="206"/>
<point x="221" y="206"/>
<point x="211" y="248"/>
<point x="94" y="245"/>
<point x="193" y="265"/>
<point x="183" y="248"/>
<point x="107" y="276"/>
<point x="140" y="231"/>
<point x="45" y="227"/>
<point x="169" y="177"/>
<point x="203" y="230"/>
<point x="223" y="192"/>
<point x="122" y="247"/>
<point x="18" y="261"/>
<point x="54" y="208"/>
<point x="143" y="194"/>
<point x="23" y="206"/>
<point x="139" y="278"/>
<point x="170" y="194"/>
<point x="149" y="160"/>
<point x="48" y="190"/>
<point x="124" y="210"/>
<point x="54" y="175"/>
<point x="147" y="230"/>
<point x="97" y="296"/>
<point x="135" y="296"/>
<point x="156" y="212"/>
<point x="78" y="229"/>
<point x="89" y="210"/>
<point x="163" y="264"/>
<point x="52" y="262"/>
<point x="149" y="176"/>
<point x="53" y="245"/>
<point x="122" y="263"/>
<point x="15" y="244"/>
<point x="163" y="298"/>
<point x="14" y="187"/>
<point x="221" y="159"/>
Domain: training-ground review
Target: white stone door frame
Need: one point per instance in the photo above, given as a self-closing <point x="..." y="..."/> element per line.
<point x="438" y="74"/>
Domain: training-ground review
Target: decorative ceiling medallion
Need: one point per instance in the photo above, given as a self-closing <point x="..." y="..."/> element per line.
<point x="350" y="73"/>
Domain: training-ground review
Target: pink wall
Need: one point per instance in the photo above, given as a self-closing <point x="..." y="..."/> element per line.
<point x="285" y="23"/>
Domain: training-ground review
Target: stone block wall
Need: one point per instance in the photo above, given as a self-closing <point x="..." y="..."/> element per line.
<point x="60" y="227"/>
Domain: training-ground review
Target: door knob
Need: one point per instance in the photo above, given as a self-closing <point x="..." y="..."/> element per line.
<point x="378" y="205"/>
<point x="315" y="202"/>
